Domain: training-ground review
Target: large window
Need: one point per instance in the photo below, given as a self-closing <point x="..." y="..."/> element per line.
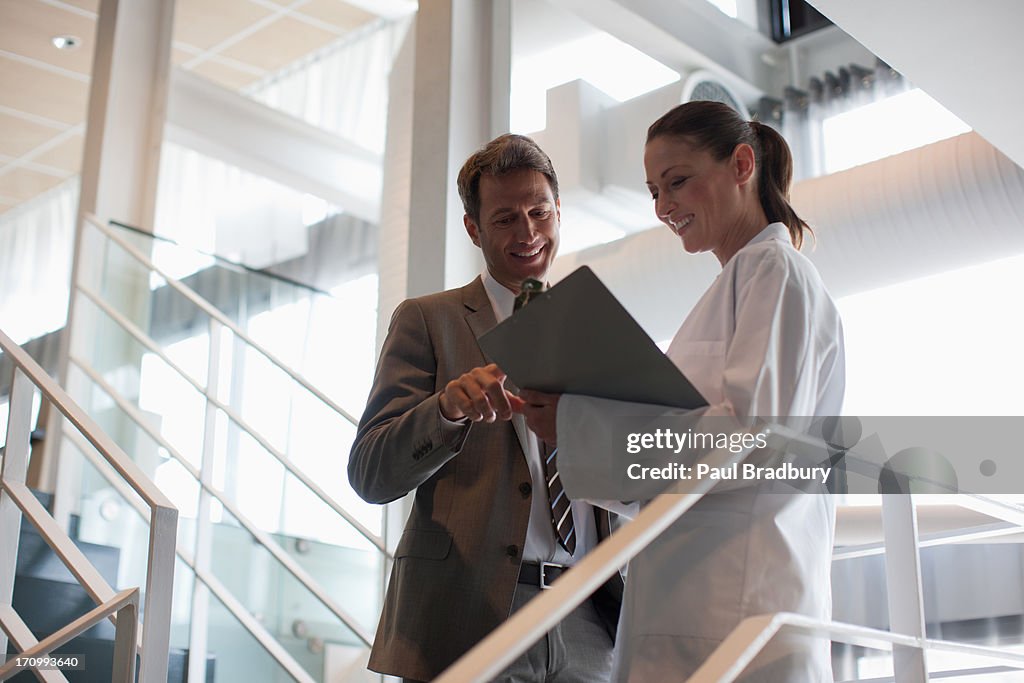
<point x="889" y="126"/>
<point x="948" y="344"/>
<point x="617" y="69"/>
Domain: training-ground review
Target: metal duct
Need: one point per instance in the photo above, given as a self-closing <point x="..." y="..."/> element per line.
<point x="948" y="205"/>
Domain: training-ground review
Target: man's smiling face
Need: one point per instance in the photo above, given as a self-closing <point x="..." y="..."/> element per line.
<point x="518" y="226"/>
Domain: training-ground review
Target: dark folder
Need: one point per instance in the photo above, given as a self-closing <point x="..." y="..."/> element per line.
<point x="576" y="338"/>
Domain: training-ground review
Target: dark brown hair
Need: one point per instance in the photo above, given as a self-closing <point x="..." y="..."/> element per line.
<point x="504" y="154"/>
<point x="717" y="128"/>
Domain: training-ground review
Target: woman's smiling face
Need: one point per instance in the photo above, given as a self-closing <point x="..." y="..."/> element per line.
<point x="695" y="195"/>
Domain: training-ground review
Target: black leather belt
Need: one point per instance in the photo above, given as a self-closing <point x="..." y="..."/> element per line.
<point x="541" y="574"/>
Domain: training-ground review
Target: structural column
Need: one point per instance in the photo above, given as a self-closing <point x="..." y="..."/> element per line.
<point x="124" y="132"/>
<point x="459" y="86"/>
<point x="449" y="95"/>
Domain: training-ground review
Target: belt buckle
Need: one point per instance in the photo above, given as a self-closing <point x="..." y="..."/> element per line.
<point x="544" y="585"/>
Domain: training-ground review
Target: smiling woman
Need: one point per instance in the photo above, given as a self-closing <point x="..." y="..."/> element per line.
<point x="764" y="341"/>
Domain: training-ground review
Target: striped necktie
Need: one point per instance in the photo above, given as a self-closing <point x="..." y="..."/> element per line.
<point x="561" y="510"/>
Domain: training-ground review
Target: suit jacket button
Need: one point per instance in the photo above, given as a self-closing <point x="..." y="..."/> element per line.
<point x="512" y="551"/>
<point x="525" y="489"/>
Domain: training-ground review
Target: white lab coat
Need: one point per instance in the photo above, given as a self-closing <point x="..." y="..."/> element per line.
<point x="765" y="340"/>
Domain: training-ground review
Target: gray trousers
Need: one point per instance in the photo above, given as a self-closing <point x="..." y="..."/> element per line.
<point x="576" y="650"/>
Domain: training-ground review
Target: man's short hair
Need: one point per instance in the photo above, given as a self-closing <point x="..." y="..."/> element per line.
<point x="504" y="154"/>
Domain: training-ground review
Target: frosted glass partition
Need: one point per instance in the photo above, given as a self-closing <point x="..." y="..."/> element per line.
<point x="234" y="391"/>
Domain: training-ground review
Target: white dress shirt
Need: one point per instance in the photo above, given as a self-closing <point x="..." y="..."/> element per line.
<point x="541" y="543"/>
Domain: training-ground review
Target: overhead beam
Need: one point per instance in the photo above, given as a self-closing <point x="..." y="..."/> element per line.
<point x="687" y="35"/>
<point x="220" y="123"/>
<point x="389" y="9"/>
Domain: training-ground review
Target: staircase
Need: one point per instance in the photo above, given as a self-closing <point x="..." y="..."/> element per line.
<point x="289" y="595"/>
<point x="47" y="597"/>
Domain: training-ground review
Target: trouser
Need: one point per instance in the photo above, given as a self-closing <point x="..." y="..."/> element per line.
<point x="577" y="650"/>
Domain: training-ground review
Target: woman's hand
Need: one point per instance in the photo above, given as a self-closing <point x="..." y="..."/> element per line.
<point x="541" y="412"/>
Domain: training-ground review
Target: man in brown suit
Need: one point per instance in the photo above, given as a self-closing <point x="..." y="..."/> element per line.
<point x="480" y="540"/>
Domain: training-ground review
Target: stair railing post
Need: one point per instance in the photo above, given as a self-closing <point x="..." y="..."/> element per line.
<point x="903" y="580"/>
<point x="198" y="631"/>
<point x="125" y="637"/>
<point x="12" y="469"/>
<point x="156" y="617"/>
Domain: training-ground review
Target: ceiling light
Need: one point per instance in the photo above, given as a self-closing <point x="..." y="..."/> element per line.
<point x="66" y="42"/>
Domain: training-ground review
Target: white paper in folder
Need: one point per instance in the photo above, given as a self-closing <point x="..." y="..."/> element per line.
<point x="576" y="338"/>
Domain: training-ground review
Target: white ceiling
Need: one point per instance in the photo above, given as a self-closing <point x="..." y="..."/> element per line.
<point x="234" y="43"/>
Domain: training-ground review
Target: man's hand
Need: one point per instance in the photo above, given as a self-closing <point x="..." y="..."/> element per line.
<point x="541" y="413"/>
<point x="479" y="395"/>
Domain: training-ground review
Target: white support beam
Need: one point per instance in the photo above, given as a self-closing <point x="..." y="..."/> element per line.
<point x="127" y="102"/>
<point x="220" y="123"/>
<point x="455" y="102"/>
<point x="687" y="35"/>
<point x="903" y="579"/>
<point x="431" y="110"/>
<point x="120" y="167"/>
<point x="501" y="66"/>
<point x="23" y="639"/>
<point x="396" y="213"/>
<point x="449" y="93"/>
<point x="199" y="627"/>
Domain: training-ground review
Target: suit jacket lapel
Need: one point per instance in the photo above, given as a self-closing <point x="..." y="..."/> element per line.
<point x="480" y="318"/>
<point x="479" y="314"/>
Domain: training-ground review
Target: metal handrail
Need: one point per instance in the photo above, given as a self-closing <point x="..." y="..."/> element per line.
<point x="75" y="560"/>
<point x="750" y="636"/>
<point x="23" y="639"/>
<point x="972" y="533"/>
<point x="154" y="640"/>
<point x="148" y="342"/>
<point x="499" y="648"/>
<point x="124" y="604"/>
<point x="236" y="265"/>
<point x="217" y="315"/>
<point x="237" y="610"/>
<point x="112" y="453"/>
<point x="261" y="537"/>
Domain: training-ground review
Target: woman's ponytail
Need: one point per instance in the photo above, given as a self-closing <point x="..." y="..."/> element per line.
<point x="776" y="176"/>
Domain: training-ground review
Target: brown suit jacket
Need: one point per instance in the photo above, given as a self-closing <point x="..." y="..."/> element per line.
<point x="457" y="564"/>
